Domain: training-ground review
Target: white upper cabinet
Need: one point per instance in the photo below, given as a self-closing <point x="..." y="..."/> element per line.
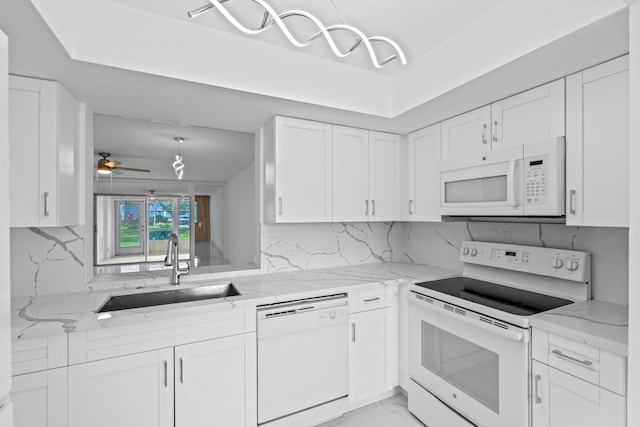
<point x="366" y="175"/>
<point x="384" y="176"/>
<point x="297" y="171"/>
<point x="44" y="154"/>
<point x="422" y="200"/>
<point x="598" y="145"/>
<point x="467" y="133"/>
<point x="350" y="174"/>
<point x="529" y="116"/>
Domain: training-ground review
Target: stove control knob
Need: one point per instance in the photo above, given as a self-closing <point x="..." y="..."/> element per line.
<point x="465" y="251"/>
<point x="572" y="265"/>
<point x="474" y="252"/>
<point x="556" y="263"/>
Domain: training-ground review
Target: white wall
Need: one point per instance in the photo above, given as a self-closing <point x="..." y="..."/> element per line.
<point x="634" y="220"/>
<point x="5" y="296"/>
<point x="239" y="217"/>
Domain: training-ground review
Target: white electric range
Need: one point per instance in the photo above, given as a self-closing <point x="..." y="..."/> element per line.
<point x="469" y="336"/>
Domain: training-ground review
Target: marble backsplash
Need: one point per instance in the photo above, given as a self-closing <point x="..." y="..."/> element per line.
<point x="46" y="260"/>
<point x="50" y="260"/>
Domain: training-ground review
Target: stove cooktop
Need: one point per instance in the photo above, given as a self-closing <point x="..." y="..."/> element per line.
<point x="499" y="297"/>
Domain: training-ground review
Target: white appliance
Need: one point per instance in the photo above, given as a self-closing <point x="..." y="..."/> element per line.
<point x="520" y="180"/>
<point x="302" y="355"/>
<point x="469" y="336"/>
<point x="5" y="279"/>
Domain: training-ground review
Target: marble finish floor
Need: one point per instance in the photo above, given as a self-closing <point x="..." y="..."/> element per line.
<point x="391" y="412"/>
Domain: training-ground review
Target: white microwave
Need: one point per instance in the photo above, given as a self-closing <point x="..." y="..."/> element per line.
<point x="519" y="180"/>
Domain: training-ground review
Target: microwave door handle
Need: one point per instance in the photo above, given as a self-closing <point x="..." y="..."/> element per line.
<point x="511" y="178"/>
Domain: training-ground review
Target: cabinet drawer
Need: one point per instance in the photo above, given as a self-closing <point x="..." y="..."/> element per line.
<point x="367" y="300"/>
<point x="38" y="354"/>
<point x="592" y="364"/>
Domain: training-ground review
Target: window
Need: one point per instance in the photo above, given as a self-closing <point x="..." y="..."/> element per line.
<point x="136" y="229"/>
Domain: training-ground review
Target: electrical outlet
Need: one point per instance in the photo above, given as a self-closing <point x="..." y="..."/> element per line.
<point x="293" y="248"/>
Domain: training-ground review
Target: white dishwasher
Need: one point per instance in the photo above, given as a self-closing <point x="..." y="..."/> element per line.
<point x="302" y="355"/>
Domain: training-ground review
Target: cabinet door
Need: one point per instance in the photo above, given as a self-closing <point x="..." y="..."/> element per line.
<point x="303" y="171"/>
<point x="350" y="174"/>
<point x="560" y="399"/>
<point x="211" y="383"/>
<point x="467" y="133"/>
<point x="134" y="390"/>
<point x="384" y="176"/>
<point x="40" y="399"/>
<point x="368" y="354"/>
<point x="529" y="116"/>
<point x="423" y="184"/>
<point x="598" y="145"/>
<point x="32" y="130"/>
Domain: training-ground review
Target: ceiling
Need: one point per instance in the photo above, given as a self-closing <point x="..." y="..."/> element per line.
<point x="143" y="59"/>
<point x="417" y="26"/>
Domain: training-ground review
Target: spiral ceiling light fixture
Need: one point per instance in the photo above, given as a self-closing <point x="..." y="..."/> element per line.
<point x="271" y="17"/>
<point x="178" y="165"/>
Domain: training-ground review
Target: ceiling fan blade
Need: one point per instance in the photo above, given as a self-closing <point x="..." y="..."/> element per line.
<point x="112" y="163"/>
<point x="130" y="169"/>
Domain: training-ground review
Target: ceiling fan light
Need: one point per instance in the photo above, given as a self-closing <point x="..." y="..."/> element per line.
<point x="104" y="170"/>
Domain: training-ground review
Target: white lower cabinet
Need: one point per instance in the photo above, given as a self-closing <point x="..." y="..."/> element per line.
<point x="40" y="399"/>
<point x="206" y="380"/>
<point x="373" y="357"/>
<point x="134" y="390"/>
<point x="210" y="382"/>
<point x="560" y="399"/>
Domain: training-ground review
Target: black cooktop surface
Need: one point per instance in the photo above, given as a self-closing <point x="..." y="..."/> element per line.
<point x="504" y="298"/>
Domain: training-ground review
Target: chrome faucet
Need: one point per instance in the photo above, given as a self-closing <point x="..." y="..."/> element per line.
<point x="172" y="259"/>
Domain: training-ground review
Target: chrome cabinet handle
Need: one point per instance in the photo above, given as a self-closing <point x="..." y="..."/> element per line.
<point x="373" y="207"/>
<point x="366" y="207"/>
<point x="484" y="133"/>
<point x="572" y="359"/>
<point x="181" y="372"/>
<point x="372" y="299"/>
<point x="166" y="368"/>
<point x="410" y="207"/>
<point x="280" y="206"/>
<point x="46" y="199"/>
<point x="572" y="199"/>
<point x="537" y="391"/>
<point x="495" y="131"/>
<point x="353" y="332"/>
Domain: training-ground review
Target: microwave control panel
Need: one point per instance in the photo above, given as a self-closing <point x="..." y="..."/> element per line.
<point x="536" y="180"/>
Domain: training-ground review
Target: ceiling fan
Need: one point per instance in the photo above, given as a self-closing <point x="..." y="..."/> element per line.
<point x="106" y="166"/>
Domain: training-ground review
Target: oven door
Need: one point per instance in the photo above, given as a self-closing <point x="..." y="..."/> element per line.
<point x="488" y="183"/>
<point x="477" y="368"/>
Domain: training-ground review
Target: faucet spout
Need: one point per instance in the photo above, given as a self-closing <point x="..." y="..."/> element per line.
<point x="173" y="259"/>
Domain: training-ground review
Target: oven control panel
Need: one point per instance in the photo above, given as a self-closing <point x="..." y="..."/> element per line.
<point x="559" y="263"/>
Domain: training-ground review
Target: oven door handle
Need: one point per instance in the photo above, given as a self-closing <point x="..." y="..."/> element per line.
<point x="505" y="333"/>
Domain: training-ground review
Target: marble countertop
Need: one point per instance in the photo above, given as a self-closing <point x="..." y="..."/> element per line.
<point x="597" y="323"/>
<point x="48" y="315"/>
